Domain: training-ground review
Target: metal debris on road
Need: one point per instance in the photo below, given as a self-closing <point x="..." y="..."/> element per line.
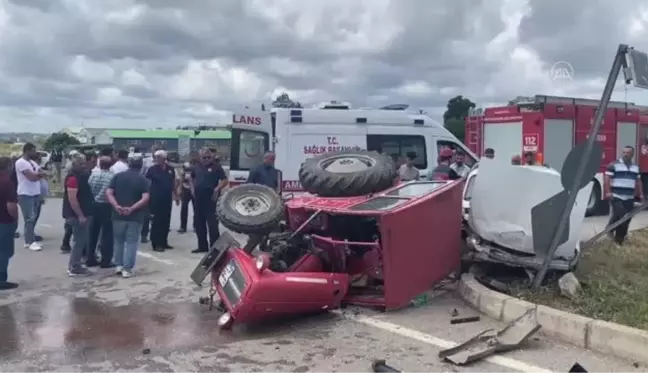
<point x="463" y="320"/>
<point x="454" y="312"/>
<point x="489" y="342"/>
<point x="577" y="368"/>
<point x="381" y="366"/>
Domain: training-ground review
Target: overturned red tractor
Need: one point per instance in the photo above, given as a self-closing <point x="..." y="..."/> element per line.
<point x="360" y="238"/>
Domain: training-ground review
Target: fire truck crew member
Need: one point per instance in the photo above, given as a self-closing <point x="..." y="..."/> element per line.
<point x="265" y="173"/>
<point x="207" y="180"/>
<point x="489" y="153"/>
<point x="530" y="158"/>
<point x="459" y="165"/>
<point x="162" y="194"/>
<point x="622" y="184"/>
<point x="407" y="171"/>
<point x="443" y="171"/>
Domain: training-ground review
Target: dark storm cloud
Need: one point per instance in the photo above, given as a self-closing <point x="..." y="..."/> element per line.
<point x="584" y="33"/>
<point x="359" y="51"/>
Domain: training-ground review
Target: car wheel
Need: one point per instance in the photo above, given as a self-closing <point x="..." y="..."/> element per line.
<point x="250" y="209"/>
<point x="347" y="173"/>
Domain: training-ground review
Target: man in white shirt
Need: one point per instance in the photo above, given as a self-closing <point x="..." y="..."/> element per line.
<point x="122" y="162"/>
<point x="407" y="171"/>
<point x="28" y="176"/>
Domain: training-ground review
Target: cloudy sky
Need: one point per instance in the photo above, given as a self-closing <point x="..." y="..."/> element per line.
<point x="160" y="63"/>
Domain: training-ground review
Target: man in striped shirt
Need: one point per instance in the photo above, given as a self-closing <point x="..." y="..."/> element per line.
<point x="101" y="222"/>
<point x="622" y="185"/>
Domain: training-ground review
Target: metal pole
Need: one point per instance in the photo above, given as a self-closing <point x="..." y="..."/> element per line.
<point x="617" y="65"/>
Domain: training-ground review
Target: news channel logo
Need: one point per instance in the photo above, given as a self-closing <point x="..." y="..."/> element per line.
<point x="561" y="71"/>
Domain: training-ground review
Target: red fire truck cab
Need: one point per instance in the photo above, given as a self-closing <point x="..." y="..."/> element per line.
<point x="550" y="126"/>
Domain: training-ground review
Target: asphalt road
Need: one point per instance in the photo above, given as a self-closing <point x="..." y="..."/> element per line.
<point x="153" y="322"/>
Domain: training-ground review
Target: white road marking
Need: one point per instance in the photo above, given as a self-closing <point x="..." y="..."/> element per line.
<point x="515" y="365"/>
<point x="48" y="226"/>
<point x="154" y="258"/>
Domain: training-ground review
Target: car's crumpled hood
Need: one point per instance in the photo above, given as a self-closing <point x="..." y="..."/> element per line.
<point x="503" y="196"/>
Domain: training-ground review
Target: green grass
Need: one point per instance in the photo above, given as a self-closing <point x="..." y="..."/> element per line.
<point x="614" y="281"/>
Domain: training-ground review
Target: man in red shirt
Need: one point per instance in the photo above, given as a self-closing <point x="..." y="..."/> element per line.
<point x="8" y="220"/>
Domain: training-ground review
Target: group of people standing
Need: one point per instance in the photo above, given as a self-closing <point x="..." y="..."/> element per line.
<point x="111" y="202"/>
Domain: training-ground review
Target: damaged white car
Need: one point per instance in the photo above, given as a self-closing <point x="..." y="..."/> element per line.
<point x="497" y="202"/>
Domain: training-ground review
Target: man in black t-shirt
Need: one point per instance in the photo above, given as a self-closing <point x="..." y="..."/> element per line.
<point x="208" y="178"/>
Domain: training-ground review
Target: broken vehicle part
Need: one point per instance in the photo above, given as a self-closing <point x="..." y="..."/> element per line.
<point x="489" y="342"/>
<point x="347" y="173"/>
<point x="589" y="243"/>
<point x="381" y="366"/>
<point x="464" y="320"/>
<point x="500" y="214"/>
<point x="207" y="263"/>
<point x="250" y="209"/>
<point x="372" y="251"/>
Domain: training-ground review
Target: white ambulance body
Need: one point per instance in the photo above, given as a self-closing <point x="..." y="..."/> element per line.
<point x="297" y="134"/>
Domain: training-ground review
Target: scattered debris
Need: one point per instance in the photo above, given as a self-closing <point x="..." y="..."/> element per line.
<point x="577" y="368"/>
<point x="489" y="342"/>
<point x="381" y="366"/>
<point x="419" y="300"/>
<point x="454" y="312"/>
<point x="146" y="351"/>
<point x="203" y="301"/>
<point x="463" y="320"/>
<point x="569" y="285"/>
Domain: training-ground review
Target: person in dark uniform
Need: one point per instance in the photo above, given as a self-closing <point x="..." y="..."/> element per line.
<point x="443" y="171"/>
<point x="162" y="194"/>
<point x="207" y="180"/>
<point x="265" y="173"/>
<point x="185" y="193"/>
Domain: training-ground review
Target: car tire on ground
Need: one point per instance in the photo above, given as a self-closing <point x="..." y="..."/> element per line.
<point x="250" y="209"/>
<point x="347" y="173"/>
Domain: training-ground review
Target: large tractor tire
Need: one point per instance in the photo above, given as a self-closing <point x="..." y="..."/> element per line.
<point x="347" y="173"/>
<point x="250" y="209"/>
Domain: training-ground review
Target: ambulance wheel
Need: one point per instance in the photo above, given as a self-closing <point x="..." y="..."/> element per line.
<point x="347" y="173"/>
<point x="250" y="209"/>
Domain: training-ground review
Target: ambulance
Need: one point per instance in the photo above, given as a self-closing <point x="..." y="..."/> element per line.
<point x="297" y="134"/>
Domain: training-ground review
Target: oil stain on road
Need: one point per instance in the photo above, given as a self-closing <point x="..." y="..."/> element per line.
<point x="74" y="330"/>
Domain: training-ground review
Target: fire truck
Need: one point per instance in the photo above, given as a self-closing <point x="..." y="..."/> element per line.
<point x="550" y="126"/>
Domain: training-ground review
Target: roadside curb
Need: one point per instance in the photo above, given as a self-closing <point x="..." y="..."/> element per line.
<point x="601" y="336"/>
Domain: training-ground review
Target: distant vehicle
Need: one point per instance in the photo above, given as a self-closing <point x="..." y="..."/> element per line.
<point x="550" y="126"/>
<point x="297" y="134"/>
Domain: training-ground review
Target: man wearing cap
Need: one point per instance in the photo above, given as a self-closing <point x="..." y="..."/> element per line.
<point x="207" y="180"/>
<point x="162" y="194"/>
<point x="443" y="171"/>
